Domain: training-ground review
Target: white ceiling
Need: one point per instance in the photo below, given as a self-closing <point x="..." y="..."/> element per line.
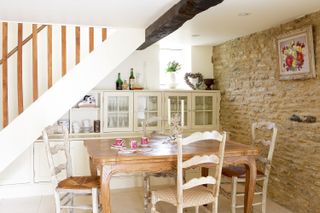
<point x="216" y="25"/>
<point x="222" y="23"/>
<point x="111" y="13"/>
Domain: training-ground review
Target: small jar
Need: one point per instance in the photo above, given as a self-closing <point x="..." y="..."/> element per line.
<point x="125" y="85"/>
<point x="96" y="126"/>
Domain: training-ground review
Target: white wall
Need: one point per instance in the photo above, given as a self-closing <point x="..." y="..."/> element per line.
<point x="201" y="60"/>
<point x="145" y="62"/>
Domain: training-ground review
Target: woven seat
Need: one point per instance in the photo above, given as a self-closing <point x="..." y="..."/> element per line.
<point x="196" y="196"/>
<point x="193" y="193"/>
<point x="238" y="171"/>
<point x="82" y="182"/>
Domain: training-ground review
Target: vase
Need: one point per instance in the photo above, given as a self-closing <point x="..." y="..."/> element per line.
<point x="173" y="82"/>
<point x="209" y="83"/>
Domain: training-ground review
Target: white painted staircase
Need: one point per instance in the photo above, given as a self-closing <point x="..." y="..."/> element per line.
<point x="56" y="101"/>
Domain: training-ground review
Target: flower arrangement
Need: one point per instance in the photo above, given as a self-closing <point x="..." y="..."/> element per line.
<point x="173" y="66"/>
<point x="293" y="56"/>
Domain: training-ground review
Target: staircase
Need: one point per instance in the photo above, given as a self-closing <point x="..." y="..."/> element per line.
<point x="50" y="77"/>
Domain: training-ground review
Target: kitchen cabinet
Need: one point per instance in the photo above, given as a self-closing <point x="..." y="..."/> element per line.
<point x="118" y="111"/>
<point x="147" y="105"/>
<point x="205" y="110"/>
<point x="124" y="111"/>
<point x="175" y="106"/>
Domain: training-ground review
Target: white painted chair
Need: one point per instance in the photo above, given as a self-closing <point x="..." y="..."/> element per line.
<point x="193" y="193"/>
<point x="146" y="176"/>
<point x="237" y="174"/>
<point x="66" y="187"/>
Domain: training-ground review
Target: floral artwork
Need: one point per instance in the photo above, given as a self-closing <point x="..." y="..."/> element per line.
<point x="293" y="56"/>
<point x="296" y="59"/>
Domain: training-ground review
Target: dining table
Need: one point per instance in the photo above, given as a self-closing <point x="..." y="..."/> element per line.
<point x="161" y="156"/>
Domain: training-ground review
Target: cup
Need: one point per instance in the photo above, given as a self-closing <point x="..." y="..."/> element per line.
<point x="86" y="123"/>
<point x="119" y="142"/>
<point x="133" y="144"/>
<point x="76" y="127"/>
<point x="144" y="140"/>
<point x="96" y="126"/>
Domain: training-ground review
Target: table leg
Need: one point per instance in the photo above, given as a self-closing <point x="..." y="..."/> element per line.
<point x="93" y="167"/>
<point x="251" y="173"/>
<point x="204" y="171"/>
<point x="105" y="188"/>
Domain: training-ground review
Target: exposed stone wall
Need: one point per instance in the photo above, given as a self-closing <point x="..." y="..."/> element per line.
<point x="245" y="71"/>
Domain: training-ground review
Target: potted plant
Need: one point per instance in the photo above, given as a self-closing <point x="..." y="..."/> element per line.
<point x="172" y="68"/>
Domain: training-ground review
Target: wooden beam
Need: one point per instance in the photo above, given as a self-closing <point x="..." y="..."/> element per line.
<point x="4" y="74"/>
<point x="174" y="18"/>
<point x="14" y="50"/>
<point x="104" y="34"/>
<point x="63" y="50"/>
<point x="91" y="39"/>
<point x="35" y="61"/>
<point x="77" y="45"/>
<point x="19" y="68"/>
<point x="49" y="55"/>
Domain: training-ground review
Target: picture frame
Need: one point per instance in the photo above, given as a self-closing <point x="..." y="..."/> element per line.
<point x="296" y="54"/>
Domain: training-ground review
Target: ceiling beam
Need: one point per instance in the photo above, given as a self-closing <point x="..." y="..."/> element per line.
<point x="174" y="18"/>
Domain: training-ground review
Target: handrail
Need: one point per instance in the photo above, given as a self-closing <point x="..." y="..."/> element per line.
<point x="14" y="50"/>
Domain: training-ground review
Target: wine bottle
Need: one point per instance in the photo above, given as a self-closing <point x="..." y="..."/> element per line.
<point x="119" y="83"/>
<point x="131" y="79"/>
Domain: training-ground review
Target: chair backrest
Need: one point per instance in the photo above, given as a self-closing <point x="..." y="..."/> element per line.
<point x="55" y="148"/>
<point x="269" y="143"/>
<point x="215" y="159"/>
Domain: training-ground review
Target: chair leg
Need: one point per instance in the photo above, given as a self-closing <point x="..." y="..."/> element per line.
<point x="179" y="208"/>
<point x="264" y="196"/>
<point x="95" y="204"/>
<point x="71" y="203"/>
<point x="153" y="204"/>
<point x="57" y="201"/>
<point x="215" y="207"/>
<point x="197" y="209"/>
<point x="234" y="194"/>
<point x="146" y="186"/>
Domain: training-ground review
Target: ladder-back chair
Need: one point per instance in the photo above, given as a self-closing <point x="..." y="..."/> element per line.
<point x="65" y="185"/>
<point x="237" y="174"/>
<point x="146" y="176"/>
<point x="193" y="193"/>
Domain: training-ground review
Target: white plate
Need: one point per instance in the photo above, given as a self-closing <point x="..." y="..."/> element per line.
<point x="116" y="147"/>
<point x="144" y="145"/>
<point x="144" y="149"/>
<point x="127" y="151"/>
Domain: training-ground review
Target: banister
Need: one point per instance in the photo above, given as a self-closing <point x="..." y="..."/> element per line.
<point x="14" y="50"/>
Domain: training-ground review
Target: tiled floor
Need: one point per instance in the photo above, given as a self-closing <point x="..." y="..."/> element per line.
<point x="122" y="201"/>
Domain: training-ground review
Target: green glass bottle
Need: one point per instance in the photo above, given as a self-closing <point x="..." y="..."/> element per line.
<point x="131" y="79"/>
<point x="119" y="83"/>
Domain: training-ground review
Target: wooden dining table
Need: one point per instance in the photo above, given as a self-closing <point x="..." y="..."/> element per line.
<point x="162" y="157"/>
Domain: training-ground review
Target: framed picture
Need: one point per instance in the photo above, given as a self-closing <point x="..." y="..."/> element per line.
<point x="296" y="55"/>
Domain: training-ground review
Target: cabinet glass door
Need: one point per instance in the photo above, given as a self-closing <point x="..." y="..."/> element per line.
<point x="203" y="110"/>
<point x="117" y="110"/>
<point x="147" y="106"/>
<point x="175" y="106"/>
